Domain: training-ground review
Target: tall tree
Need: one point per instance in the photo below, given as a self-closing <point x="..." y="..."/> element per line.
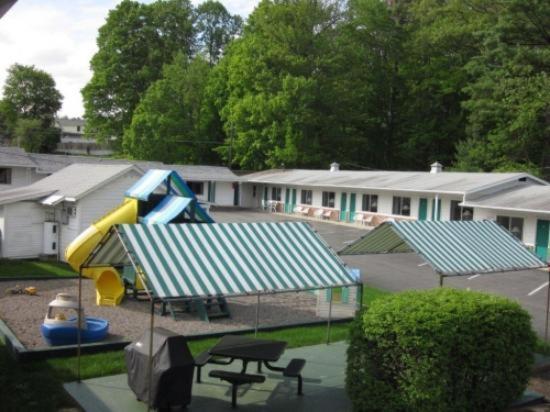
<point x="134" y="44"/>
<point x="168" y="123"/>
<point x="28" y="109"/>
<point x="277" y="111"/>
<point x="32" y="93"/>
<point x="216" y="27"/>
<point x="509" y="99"/>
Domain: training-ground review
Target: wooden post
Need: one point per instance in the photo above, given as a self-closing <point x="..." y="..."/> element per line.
<point x="329" y="315"/>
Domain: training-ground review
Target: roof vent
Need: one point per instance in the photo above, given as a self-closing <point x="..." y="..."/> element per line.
<point x="436" y="167"/>
<point x="334" y="167"/>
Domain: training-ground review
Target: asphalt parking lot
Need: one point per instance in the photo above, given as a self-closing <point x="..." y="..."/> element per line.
<point x="405" y="271"/>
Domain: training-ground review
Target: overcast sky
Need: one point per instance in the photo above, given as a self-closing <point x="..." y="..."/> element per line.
<point x="59" y="36"/>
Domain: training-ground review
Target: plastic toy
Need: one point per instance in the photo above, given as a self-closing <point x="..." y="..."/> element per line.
<point x="61" y="329"/>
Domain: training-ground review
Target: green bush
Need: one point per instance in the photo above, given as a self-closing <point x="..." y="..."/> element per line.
<point x="439" y="350"/>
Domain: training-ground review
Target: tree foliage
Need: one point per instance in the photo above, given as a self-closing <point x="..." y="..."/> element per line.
<point x="216" y="27"/>
<point x="168" y="123"/>
<point x="27" y="112"/>
<point x="509" y="99"/>
<point x="33" y="136"/>
<point x="368" y="83"/>
<point x="134" y="44"/>
<point x="31" y="93"/>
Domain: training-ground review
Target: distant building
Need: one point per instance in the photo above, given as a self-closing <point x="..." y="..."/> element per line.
<point x="75" y="142"/>
<point x="518" y="201"/>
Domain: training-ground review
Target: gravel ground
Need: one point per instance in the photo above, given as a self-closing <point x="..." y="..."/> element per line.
<point x="24" y="314"/>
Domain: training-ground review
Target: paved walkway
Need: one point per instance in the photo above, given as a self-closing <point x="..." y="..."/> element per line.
<point x="324" y="376"/>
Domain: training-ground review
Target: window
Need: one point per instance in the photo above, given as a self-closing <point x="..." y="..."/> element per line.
<point x="401" y="206"/>
<point x="461" y="213"/>
<point x="328" y="199"/>
<point x="5" y="176"/>
<point x="512" y="224"/>
<point x="370" y="203"/>
<point x="306" y="197"/>
<point x="276" y="193"/>
<point x="78" y="128"/>
<point x="254" y="191"/>
<point x="196" y="187"/>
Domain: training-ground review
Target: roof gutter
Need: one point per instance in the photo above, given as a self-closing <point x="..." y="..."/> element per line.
<point x="382" y="189"/>
<point x="511" y="209"/>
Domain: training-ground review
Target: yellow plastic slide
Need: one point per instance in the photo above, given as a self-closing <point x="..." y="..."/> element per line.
<point x="109" y="286"/>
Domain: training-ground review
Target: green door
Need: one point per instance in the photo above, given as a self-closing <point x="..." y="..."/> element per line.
<point x="287" y="200"/>
<point x="351" y="207"/>
<point x="293" y="203"/>
<point x="343" y="201"/>
<point x="423" y="209"/>
<point x="541" y="242"/>
<point x="438" y="209"/>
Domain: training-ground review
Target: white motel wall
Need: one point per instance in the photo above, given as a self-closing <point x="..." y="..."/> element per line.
<point x="457" y="194"/>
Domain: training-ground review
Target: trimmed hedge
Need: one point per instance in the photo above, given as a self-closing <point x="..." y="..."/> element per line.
<point x="439" y="350"/>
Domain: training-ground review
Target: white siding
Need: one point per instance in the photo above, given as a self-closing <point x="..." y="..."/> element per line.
<point x="247" y="199"/>
<point x="23" y="230"/>
<point x="529" y="221"/>
<point x="21" y="176"/>
<point x="224" y="194"/>
<point x="96" y="204"/>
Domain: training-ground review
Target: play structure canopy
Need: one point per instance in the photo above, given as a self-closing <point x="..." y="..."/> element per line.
<point x="451" y="248"/>
<point x="197" y="260"/>
<point x="178" y="196"/>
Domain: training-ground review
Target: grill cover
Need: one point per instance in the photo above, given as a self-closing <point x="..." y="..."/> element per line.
<point x="172" y="373"/>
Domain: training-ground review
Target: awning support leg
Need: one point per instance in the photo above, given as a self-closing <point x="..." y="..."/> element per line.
<point x="150" y="371"/>
<point x="79" y="325"/>
<point x="257" y="316"/>
<point x="547" y="306"/>
<point x="329" y="315"/>
<point x="440" y="281"/>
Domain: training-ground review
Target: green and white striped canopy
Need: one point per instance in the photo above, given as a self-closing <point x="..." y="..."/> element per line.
<point x="188" y="260"/>
<point x="451" y="248"/>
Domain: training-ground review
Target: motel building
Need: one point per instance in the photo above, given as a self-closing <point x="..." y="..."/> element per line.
<point x="518" y="201"/>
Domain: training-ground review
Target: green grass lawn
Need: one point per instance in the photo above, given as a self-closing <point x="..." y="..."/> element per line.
<point x="38" y="385"/>
<point x="33" y="268"/>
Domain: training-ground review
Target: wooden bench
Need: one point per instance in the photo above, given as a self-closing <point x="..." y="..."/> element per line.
<point x="293" y="370"/>
<point x="236" y="379"/>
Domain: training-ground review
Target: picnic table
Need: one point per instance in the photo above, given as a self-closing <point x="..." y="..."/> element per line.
<point x="263" y="351"/>
<point x="250" y="350"/>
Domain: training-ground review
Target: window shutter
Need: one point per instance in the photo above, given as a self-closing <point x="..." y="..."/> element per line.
<point x="345" y="295"/>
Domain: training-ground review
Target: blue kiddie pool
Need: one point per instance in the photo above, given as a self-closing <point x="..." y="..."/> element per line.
<point x="59" y="329"/>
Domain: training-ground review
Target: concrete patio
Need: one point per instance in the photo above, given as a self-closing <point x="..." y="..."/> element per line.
<point x="324" y="376"/>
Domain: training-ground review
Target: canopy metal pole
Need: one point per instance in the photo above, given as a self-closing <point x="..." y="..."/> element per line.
<point x="257" y="316"/>
<point x="150" y="372"/>
<point x="440" y="281"/>
<point x="329" y="315"/>
<point x="547" y="306"/>
<point x="79" y="325"/>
